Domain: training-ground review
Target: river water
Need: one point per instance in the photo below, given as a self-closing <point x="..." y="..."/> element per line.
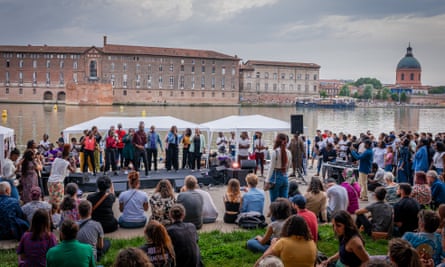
<point x="30" y="121"/>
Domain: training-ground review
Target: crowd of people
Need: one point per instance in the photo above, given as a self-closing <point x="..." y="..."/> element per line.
<point x="404" y="172"/>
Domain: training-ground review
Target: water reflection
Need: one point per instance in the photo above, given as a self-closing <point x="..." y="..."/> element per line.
<point x="31" y="121"/>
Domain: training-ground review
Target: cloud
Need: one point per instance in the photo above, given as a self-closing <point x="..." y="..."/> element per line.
<point x="229" y="8"/>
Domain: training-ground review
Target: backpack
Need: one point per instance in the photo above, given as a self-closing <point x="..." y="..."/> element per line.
<point x="251" y="220"/>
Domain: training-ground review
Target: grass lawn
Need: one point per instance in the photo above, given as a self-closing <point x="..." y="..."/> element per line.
<point x="223" y="249"/>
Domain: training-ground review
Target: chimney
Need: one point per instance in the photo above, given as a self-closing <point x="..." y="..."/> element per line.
<point x="105" y="40"/>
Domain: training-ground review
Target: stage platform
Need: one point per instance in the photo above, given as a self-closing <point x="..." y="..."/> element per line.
<point x="87" y="181"/>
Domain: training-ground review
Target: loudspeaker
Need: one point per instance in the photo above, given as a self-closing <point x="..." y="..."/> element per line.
<point x="78" y="178"/>
<point x="248" y="164"/>
<point x="296" y="124"/>
<point x="237" y="174"/>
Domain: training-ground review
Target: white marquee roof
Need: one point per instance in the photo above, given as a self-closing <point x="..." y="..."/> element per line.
<point x="247" y="123"/>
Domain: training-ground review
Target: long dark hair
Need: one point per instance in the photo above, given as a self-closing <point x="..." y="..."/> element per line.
<point x="315" y="186"/>
<point x="297" y="226"/>
<point x="156" y="234"/>
<point x="40" y="224"/>
<point x="403" y="254"/>
<point x="351" y="230"/>
<point x="28" y="157"/>
<point x="281" y="142"/>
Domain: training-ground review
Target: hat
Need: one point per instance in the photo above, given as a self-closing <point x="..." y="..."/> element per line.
<point x="299" y="200"/>
<point x="35" y="193"/>
<point x="331" y="180"/>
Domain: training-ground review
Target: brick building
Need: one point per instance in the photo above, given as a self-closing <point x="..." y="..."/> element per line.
<point x="117" y="74"/>
<point x="274" y="82"/>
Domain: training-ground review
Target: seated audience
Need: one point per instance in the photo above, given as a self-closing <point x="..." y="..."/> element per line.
<point x="159" y="247"/>
<point x="405" y="211"/>
<point x="402" y="254"/>
<point x="293" y="189"/>
<point x="70" y="252"/>
<point x="391" y="189"/>
<point x="91" y="232"/>
<point x="421" y="190"/>
<point x="133" y="204"/>
<point x="209" y="210"/>
<point x="161" y="202"/>
<point x="13" y="221"/>
<point x="381" y="214"/>
<point x="426" y="238"/>
<point x="376" y="177"/>
<point x="192" y="201"/>
<point x="353" y="190"/>
<point x="299" y="204"/>
<point x="102" y="202"/>
<point x="338" y="197"/>
<point x="70" y="203"/>
<point x="437" y="189"/>
<point x="253" y="199"/>
<point x="270" y="261"/>
<point x="232" y="201"/>
<point x="184" y="238"/>
<point x="351" y="250"/>
<point x="37" y="241"/>
<point x="35" y="204"/>
<point x="316" y="199"/>
<point x="279" y="210"/>
<point x="295" y="237"/>
<point x="132" y="257"/>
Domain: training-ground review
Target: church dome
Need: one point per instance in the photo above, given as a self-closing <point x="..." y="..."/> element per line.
<point x="409" y="61"/>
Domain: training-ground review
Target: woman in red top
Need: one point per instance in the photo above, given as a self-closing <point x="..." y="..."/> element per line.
<point x="89" y="143"/>
<point x="110" y="150"/>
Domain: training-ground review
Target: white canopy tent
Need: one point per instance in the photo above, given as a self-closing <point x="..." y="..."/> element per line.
<point x="162" y="123"/>
<point x="248" y="123"/>
<point x="5" y="134"/>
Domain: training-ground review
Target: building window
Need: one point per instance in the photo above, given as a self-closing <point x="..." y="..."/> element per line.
<point x="233" y="71"/>
<point x="223" y="83"/>
<point x="213" y="82"/>
<point x="213" y="70"/>
<point x="315" y="88"/>
<point x="149" y="81"/>
<point x="315" y="76"/>
<point x="149" y="68"/>
<point x="34" y="91"/>
<point x="283" y="87"/>
<point x="275" y="75"/>
<point x="61" y="80"/>
<point x="171" y="81"/>
<point x="274" y="87"/>
<point x="203" y="62"/>
<point x="266" y="75"/>
<point x="48" y="78"/>
<point x="93" y="69"/>
<point x="48" y="64"/>
<point x="160" y="82"/>
<point x="20" y="77"/>
<point x="213" y="62"/>
<point x="257" y="87"/>
<point x="112" y="66"/>
<point x="233" y="84"/>
<point x="8" y="63"/>
<point x="203" y="82"/>
<point x="193" y="94"/>
<point x="20" y="91"/>
<point x="291" y="76"/>
<point x="306" y="77"/>
<point x="193" y="61"/>
<point x="7" y="77"/>
<point x="402" y="77"/>
<point x="171" y="68"/>
<point x="203" y="69"/>
<point x="249" y="74"/>
<point x="266" y="87"/>
<point x="7" y="90"/>
<point x="34" y="77"/>
<point x="75" y="65"/>
<point x="193" y="82"/>
<point x="75" y="78"/>
<point x="138" y="81"/>
<point x="124" y="92"/>
<point x="299" y="87"/>
<point x="21" y="63"/>
<point x="61" y="64"/>
<point x="181" y="82"/>
<point x="182" y="67"/>
<point x="34" y="64"/>
<point x="411" y="76"/>
<point x="283" y="75"/>
<point x="203" y="94"/>
<point x="299" y="76"/>
<point x="160" y="68"/>
<point x="223" y="70"/>
<point x="182" y="93"/>
<point x="125" y="67"/>
<point x="258" y="74"/>
<point x="193" y="69"/>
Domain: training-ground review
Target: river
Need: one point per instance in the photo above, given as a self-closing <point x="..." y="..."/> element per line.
<point x="30" y="121"/>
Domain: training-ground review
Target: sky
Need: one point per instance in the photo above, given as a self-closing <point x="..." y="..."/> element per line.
<point x="349" y="39"/>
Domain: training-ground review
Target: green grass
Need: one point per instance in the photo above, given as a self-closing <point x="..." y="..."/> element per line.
<point x="223" y="249"/>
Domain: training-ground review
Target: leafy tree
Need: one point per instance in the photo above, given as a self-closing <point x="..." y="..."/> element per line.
<point x="367" y="93"/>
<point x="394" y="97"/>
<point x="437" y="90"/>
<point x="403" y="97"/>
<point x="323" y="94"/>
<point x="385" y="93"/>
<point x="375" y="83"/>
<point x="355" y="95"/>
<point x="344" y="91"/>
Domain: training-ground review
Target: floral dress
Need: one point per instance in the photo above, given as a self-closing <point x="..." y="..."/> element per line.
<point x="28" y="180"/>
<point x="160" y="208"/>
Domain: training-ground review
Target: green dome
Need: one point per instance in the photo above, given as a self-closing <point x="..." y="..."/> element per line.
<point x="409" y="61"/>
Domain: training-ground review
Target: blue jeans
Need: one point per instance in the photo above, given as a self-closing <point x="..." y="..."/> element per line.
<point x="14" y="191"/>
<point x="255" y="245"/>
<point x="281" y="188"/>
<point x="125" y="224"/>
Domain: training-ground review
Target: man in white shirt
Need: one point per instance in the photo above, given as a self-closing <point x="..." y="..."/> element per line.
<point x="9" y="169"/>
<point x="337" y="197"/>
<point x="221" y="142"/>
<point x="243" y="147"/>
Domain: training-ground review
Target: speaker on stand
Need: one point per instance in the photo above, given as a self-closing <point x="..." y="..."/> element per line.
<point x="296" y="124"/>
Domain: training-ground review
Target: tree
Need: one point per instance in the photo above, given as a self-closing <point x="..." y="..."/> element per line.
<point x="375" y="83"/>
<point x="344" y="91"/>
<point x="378" y="95"/>
<point x="323" y="94"/>
<point x="403" y="97"/>
<point x="394" y="97"/>
<point x="355" y="95"/>
<point x="367" y="93"/>
<point x="385" y="93"/>
<point x="437" y="90"/>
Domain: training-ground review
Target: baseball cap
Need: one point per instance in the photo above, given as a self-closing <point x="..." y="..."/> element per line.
<point x="299" y="200"/>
